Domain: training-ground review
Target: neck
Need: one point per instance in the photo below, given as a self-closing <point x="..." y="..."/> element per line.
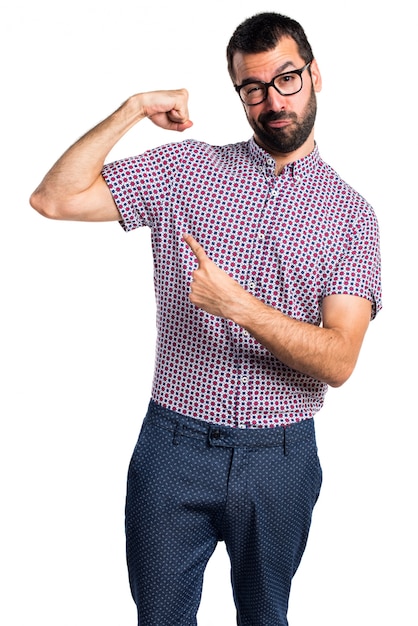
<point x="284" y="158"/>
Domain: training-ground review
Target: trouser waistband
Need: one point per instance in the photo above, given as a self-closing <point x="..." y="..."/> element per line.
<point x="225" y="436"/>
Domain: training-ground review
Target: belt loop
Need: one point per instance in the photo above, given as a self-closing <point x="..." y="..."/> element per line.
<point x="284" y="441"/>
<point x="177" y="435"/>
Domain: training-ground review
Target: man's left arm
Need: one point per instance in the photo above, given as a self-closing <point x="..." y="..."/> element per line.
<point x="328" y="353"/>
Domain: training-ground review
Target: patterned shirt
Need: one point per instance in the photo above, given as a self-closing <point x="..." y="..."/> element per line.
<point x="290" y="239"/>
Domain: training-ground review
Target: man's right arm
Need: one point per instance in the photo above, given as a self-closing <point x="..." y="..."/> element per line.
<point x="74" y="188"/>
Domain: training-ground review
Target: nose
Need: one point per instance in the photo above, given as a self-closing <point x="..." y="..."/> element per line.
<point x="274" y="99"/>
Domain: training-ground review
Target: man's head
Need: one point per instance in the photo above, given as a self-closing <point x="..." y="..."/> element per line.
<point x="272" y="67"/>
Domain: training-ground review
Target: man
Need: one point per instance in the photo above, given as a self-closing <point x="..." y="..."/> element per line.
<point x="267" y="273"/>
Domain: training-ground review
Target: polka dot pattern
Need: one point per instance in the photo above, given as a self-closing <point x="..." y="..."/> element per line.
<point x="291" y="240"/>
<point x="191" y="485"/>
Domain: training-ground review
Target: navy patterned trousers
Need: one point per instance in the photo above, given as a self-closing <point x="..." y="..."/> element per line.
<point x="192" y="484"/>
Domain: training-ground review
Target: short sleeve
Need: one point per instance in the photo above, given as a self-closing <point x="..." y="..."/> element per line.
<point x="123" y="177"/>
<point x="358" y="271"/>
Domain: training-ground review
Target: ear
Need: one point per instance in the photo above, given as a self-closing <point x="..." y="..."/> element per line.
<point x="316" y="76"/>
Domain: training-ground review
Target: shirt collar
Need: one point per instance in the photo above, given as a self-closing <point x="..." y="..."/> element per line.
<point x="297" y="170"/>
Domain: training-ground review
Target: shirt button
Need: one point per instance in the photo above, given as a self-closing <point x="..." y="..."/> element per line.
<point x="261" y="235"/>
<point x="241" y="426"/>
<point x="244" y="379"/>
<point x="251" y="285"/>
<point x="296" y="178"/>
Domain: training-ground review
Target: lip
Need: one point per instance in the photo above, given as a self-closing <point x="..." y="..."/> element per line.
<point x="279" y="123"/>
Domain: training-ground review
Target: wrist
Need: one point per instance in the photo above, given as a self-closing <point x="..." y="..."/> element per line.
<point x="131" y="111"/>
<point x="244" y="308"/>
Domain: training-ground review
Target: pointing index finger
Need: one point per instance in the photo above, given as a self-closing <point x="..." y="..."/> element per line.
<point x="195" y="247"/>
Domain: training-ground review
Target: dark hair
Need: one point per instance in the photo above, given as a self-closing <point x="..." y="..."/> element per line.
<point x="262" y="32"/>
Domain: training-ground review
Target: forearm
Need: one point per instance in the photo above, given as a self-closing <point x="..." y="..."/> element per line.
<point x="322" y="353"/>
<point x="82" y="163"/>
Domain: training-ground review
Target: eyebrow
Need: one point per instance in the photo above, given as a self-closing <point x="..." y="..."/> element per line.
<point x="279" y="70"/>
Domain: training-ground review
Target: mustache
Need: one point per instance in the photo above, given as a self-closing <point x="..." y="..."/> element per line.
<point x="273" y="116"/>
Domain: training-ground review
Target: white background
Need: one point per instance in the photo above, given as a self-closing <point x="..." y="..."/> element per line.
<point x="78" y="331"/>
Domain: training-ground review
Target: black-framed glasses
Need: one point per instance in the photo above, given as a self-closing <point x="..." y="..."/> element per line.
<point x="287" y="84"/>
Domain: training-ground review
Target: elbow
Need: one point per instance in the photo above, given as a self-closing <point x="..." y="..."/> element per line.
<point x="47" y="207"/>
<point x="336" y="382"/>
<point x="38" y="202"/>
<point x="339" y="377"/>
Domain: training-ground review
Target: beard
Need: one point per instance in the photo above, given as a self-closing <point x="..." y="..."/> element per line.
<point x="289" y="138"/>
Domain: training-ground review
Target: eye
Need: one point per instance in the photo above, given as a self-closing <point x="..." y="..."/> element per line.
<point x="252" y="89"/>
<point x="286" y="79"/>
